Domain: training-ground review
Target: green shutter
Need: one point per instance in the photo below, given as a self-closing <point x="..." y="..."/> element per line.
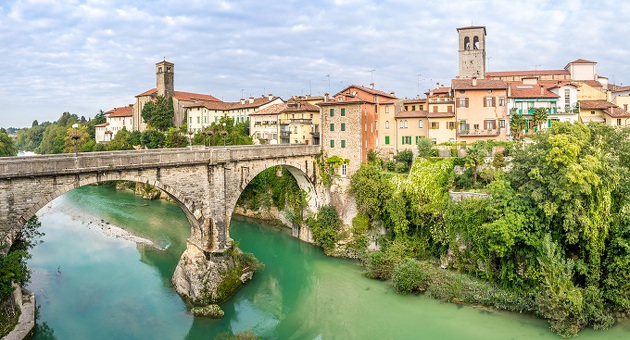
<point x="403" y="139"/>
<point x="332" y="143"/>
<point x="549" y="122"/>
<point x="343" y="112"/>
<point x="332" y="127"/>
<point x="332" y="112"/>
<point x="343" y="126"/>
<point x="386" y="140"/>
<point x="343" y="143"/>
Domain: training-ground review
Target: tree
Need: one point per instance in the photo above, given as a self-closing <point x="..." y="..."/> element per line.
<point x="7" y="147"/>
<point x="475" y="156"/>
<point x="120" y="141"/>
<point x="35" y="123"/>
<point x="405" y="157"/>
<point x="152" y="139"/>
<point x="159" y="114"/>
<point x="425" y="147"/>
<point x="175" y="138"/>
<point x="134" y="138"/>
<point x="70" y="143"/>
<point x="53" y="139"/>
<point x="539" y="116"/>
<point x="518" y="123"/>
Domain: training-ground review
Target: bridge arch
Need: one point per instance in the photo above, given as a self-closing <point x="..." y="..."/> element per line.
<point x="190" y="208"/>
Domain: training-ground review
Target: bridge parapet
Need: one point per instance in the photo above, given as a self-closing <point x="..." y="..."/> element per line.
<point x="14" y="167"/>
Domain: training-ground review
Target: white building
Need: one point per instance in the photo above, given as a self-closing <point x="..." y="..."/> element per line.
<point x="116" y="120"/>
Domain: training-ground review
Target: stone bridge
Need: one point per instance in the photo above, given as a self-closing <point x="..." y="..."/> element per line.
<point x="204" y="182"/>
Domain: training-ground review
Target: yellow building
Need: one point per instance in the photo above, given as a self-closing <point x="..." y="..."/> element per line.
<point x="441" y="115"/>
<point x="293" y="122"/>
<point x="602" y="111"/>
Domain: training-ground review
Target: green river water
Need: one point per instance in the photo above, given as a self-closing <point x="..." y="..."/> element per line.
<point x="92" y="286"/>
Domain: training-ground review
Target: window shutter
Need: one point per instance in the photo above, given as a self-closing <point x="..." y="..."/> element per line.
<point x="403" y="140"/>
<point x="457" y="102"/>
<point x="466" y="102"/>
<point x="494" y="101"/>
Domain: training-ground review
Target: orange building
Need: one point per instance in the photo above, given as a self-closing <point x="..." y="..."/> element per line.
<point x="481" y="110"/>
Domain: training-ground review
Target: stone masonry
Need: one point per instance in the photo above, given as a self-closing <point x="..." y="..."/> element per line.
<point x="204" y="182"/>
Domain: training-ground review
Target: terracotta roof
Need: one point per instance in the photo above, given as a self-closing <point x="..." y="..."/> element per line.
<point x="592" y="83"/>
<point x="596" y="104"/>
<point x="101" y="125"/>
<point x="441" y="115"/>
<point x="414" y="101"/>
<point x="219" y="105"/>
<point x="519" y="90"/>
<point x="617" y="88"/>
<point x="482" y="84"/>
<point x="552" y="84"/>
<point x="302" y="106"/>
<point x="125" y="111"/>
<point x="388" y="101"/>
<point x="180" y="95"/>
<point x="472" y="27"/>
<point x="582" y="61"/>
<point x="527" y="73"/>
<point x="617" y="112"/>
<point x="439" y="90"/>
<point x="274" y="109"/>
<point x="349" y="101"/>
<point x="368" y="90"/>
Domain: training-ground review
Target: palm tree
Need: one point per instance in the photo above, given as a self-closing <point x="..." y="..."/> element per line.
<point x="539" y="116"/>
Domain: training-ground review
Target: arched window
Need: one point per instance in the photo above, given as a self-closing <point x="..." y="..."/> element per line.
<point x="467" y="43"/>
<point x="406" y="125"/>
<point x="387" y="124"/>
<point x="476" y="42"/>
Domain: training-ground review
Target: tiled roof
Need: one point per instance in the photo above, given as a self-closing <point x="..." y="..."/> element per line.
<point x="415" y="101"/>
<point x="285" y="107"/>
<point x="617" y="88"/>
<point x="302" y="106"/>
<point x="219" y="105"/>
<point x="348" y="101"/>
<point x="472" y="27"/>
<point x="519" y="90"/>
<point x="270" y="110"/>
<point x="101" y="125"/>
<point x="125" y="111"/>
<point x="595" y="104"/>
<point x="439" y="90"/>
<point x="526" y="73"/>
<point x="482" y="84"/>
<point x="592" y="83"/>
<point x="617" y="112"/>
<point x="368" y="90"/>
<point x="582" y="61"/>
<point x="185" y="96"/>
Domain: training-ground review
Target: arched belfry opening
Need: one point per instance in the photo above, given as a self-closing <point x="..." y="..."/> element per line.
<point x="472" y="52"/>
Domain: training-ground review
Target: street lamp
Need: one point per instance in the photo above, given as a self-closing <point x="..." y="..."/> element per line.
<point x="223" y="133"/>
<point x="190" y="133"/>
<point x="207" y="133"/>
<point x="75" y="136"/>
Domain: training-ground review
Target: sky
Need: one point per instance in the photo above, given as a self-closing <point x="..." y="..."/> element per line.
<point x="83" y="56"/>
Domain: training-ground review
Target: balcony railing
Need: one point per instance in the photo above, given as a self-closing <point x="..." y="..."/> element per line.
<point x="478" y="133"/>
<point x="285" y="134"/>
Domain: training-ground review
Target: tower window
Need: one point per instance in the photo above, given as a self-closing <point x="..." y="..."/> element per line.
<point x="467" y="43"/>
<point x="476" y="43"/>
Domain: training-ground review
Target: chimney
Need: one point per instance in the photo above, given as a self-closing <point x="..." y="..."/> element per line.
<point x="372" y="86"/>
<point x="393" y="93"/>
<point x="542" y="90"/>
<point x="474" y="81"/>
<point x="509" y="90"/>
<point x="251" y="100"/>
<point x="325" y="97"/>
<point x="270" y="97"/>
<point x="242" y="101"/>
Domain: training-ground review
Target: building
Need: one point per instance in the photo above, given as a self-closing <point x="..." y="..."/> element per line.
<point x="603" y="111"/>
<point x="472" y="52"/>
<point x="165" y="86"/>
<point x="350" y="124"/>
<point x="116" y="119"/>
<point x="480" y="109"/>
<point x="300" y="123"/>
<point x="527" y="96"/>
<point x="441" y="115"/>
<point x="203" y="113"/>
<point x="263" y="124"/>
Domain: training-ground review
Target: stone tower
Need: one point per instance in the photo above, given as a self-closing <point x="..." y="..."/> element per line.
<point x="164" y="78"/>
<point x="472" y="52"/>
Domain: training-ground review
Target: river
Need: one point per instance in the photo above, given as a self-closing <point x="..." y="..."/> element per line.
<point x="93" y="286"/>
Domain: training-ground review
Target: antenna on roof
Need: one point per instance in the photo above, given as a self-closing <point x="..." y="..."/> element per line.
<point x="371" y="76"/>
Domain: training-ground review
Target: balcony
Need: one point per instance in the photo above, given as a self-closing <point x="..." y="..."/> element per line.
<point x="478" y="133"/>
<point x="531" y="111"/>
<point x="285" y="134"/>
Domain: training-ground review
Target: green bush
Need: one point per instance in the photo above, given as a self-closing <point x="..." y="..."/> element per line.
<point x="402" y="167"/>
<point x="409" y="276"/>
<point x="390" y="165"/>
<point x="325" y="227"/>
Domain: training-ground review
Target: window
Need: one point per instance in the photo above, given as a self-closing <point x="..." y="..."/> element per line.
<point x="386" y="140"/>
<point x="332" y="143"/>
<point x="343" y="112"/>
<point x="205" y="119"/>
<point x="434" y="140"/>
<point x="408" y="139"/>
<point x="332" y="112"/>
<point x="449" y="109"/>
<point x="413" y="108"/>
<point x="386" y="109"/>
<point x="295" y="129"/>
<point x="625" y="107"/>
<point x="488" y="101"/>
<point x="476" y="126"/>
<point x="420" y="107"/>
<point x="343" y="128"/>
<point x="190" y="118"/>
<point x="462" y="102"/>
<point x="406" y="126"/>
<point x="216" y="119"/>
<point x="502" y="123"/>
<point x="332" y="127"/>
<point x="401" y="124"/>
<point x="406" y="108"/>
<point x="618" y="121"/>
<point x="420" y="124"/>
<point x="343" y="143"/>
<point x="198" y="119"/>
<point x="567" y="97"/>
<point x="489" y="124"/>
<point x="435" y="125"/>
<point x="387" y="124"/>
<point x="501" y="101"/>
<point x="592" y="112"/>
<point x="451" y="125"/>
<point x="344" y="169"/>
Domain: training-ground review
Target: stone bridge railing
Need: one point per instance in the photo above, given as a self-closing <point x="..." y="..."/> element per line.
<point x="13" y="167"/>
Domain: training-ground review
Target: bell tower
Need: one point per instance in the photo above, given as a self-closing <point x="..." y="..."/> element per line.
<point x="164" y="78"/>
<point x="472" y="52"/>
